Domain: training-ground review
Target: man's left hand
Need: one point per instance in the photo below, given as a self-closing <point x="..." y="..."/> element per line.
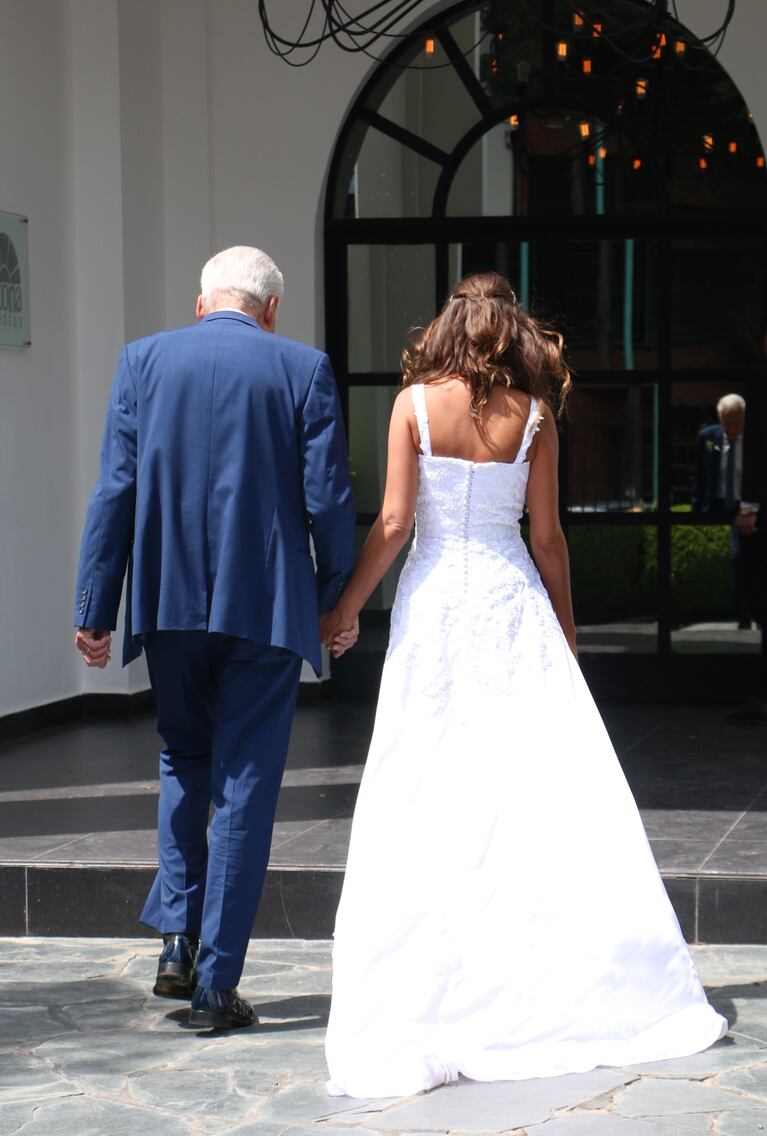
<point x="95" y="646"/>
<point x="745" y="523"/>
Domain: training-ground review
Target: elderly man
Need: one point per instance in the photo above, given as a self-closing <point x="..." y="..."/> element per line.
<point x="223" y="452"/>
<point x="718" y="489"/>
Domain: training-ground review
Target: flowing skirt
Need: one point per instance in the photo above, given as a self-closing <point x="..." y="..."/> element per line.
<point x="502" y="915"/>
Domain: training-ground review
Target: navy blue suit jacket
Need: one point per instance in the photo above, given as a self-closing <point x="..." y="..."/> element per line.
<point x="224" y="449"/>
<point x="708" y="464"/>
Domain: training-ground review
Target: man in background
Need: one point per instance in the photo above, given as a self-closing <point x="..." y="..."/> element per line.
<point x="751" y="524"/>
<point x="718" y="487"/>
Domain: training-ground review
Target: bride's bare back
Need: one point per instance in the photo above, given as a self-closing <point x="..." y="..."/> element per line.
<point x="495" y="436"/>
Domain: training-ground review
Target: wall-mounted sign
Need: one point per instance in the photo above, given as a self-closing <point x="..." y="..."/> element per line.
<point x="14" y="281"/>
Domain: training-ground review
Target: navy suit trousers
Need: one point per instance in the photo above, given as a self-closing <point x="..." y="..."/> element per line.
<point x="224" y="710"/>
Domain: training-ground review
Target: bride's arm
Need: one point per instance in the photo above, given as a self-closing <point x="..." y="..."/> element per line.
<point x="547" y="540"/>
<point x="392" y="526"/>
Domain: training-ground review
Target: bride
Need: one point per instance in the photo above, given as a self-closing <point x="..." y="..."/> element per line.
<point x="502" y="916"/>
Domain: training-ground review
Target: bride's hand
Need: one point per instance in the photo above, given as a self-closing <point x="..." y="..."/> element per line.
<point x="338" y="631"/>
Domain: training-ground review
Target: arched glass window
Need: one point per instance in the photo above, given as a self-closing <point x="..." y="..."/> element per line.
<point x="601" y="158"/>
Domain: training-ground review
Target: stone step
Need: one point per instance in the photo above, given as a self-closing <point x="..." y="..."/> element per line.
<point x="103" y="900"/>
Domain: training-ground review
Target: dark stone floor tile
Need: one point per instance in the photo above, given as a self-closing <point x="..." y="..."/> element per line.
<point x="107" y="848"/>
<point x="732" y="910"/>
<point x="316" y="802"/>
<point x="738" y="858"/>
<point x="27" y="849"/>
<point x="324" y="845"/>
<point x="78" y="815"/>
<point x="680" y="855"/>
<point x="13" y="900"/>
<point x="298" y="905"/>
<point x="752" y="826"/>
<point x="683" y="893"/>
<point x="709" y="825"/>
<point x="87" y="901"/>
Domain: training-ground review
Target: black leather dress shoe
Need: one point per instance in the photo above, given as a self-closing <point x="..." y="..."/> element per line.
<point x="220" y="1009"/>
<point x="175" y="970"/>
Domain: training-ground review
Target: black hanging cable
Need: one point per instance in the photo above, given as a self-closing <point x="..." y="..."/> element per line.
<point x="357" y="34"/>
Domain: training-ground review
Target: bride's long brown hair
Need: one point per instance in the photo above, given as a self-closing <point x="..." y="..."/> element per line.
<point x="482" y="335"/>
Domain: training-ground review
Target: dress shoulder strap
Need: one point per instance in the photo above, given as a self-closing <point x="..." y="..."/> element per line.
<point x="532" y="427"/>
<point x="421" y="417"/>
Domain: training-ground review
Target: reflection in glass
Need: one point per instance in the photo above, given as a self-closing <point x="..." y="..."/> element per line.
<point x="602" y="294"/>
<point x="369" y="411"/>
<point x="612" y="448"/>
<point x="391" y="289"/>
<point x="551" y="162"/>
<point x="710" y="607"/>
<point x="391" y="180"/>
<point x="509" y="258"/>
<point x="718" y="302"/>
<point x="606" y="294"/>
<point x="429" y="98"/>
<point x="614" y="577"/>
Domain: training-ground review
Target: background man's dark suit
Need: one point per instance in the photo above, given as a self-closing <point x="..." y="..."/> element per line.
<point x="707" y="498"/>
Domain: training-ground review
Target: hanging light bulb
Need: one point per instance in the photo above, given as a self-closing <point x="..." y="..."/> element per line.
<point x="732" y="147"/>
<point x="641" y="88"/>
<point x="708" y="142"/>
<point x="586" y="66"/>
<point x="429" y="47"/>
<point x="578" y="22"/>
<point x="656" y="51"/>
<point x="562" y="49"/>
<point x="760" y="162"/>
<point x="514" y="121"/>
<point x="702" y="163"/>
<point x="585" y="129"/>
<point x="662" y="39"/>
<point x="636" y="164"/>
<point x="596" y="30"/>
<point x="680" y="47"/>
<point x="592" y="159"/>
<point x="602" y="152"/>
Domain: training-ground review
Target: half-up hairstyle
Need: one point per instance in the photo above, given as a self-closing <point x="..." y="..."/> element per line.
<point x="482" y="335"/>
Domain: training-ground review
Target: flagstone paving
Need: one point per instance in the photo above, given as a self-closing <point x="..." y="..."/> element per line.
<point x="86" y="1050"/>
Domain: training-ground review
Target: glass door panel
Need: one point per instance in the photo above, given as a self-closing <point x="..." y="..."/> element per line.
<point x="391" y="289"/>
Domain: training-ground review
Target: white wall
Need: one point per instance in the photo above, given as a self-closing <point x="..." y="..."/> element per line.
<point x="140" y="136"/>
<point x="38" y="402"/>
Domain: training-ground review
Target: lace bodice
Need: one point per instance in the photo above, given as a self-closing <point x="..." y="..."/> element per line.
<point x="470" y="502"/>
<point x="469" y="591"/>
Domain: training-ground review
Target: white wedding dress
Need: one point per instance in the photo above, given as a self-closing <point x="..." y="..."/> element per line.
<point x="502" y="916"/>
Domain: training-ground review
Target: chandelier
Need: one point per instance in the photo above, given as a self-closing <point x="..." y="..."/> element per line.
<point x="372" y="26"/>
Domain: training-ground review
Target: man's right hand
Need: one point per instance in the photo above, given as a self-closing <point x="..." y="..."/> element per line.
<point x="94" y="646"/>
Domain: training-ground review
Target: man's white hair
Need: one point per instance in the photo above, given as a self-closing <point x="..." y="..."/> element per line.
<point x="241" y="274"/>
<point x="730" y="402"/>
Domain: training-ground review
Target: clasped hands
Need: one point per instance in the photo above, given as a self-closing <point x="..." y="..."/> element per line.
<point x="339" y="631"/>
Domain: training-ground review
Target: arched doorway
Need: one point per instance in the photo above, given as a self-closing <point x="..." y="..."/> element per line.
<point x="599" y="156"/>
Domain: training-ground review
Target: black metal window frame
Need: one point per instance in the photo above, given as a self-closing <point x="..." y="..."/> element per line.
<point x="440" y="231"/>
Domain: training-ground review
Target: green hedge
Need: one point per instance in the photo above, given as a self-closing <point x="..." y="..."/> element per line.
<point x="615" y="572"/>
